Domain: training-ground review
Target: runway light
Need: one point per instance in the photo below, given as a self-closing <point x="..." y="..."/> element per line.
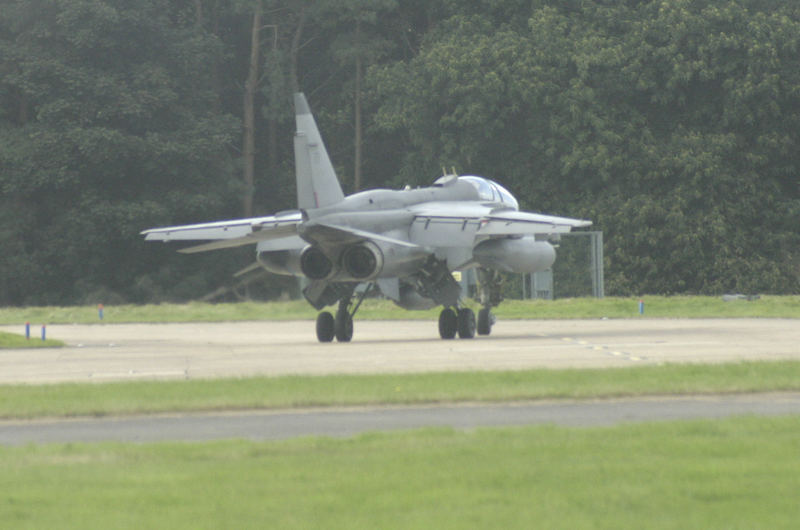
<point x="100" y="311"/>
<point x="641" y="307"/>
<point x="27" y="330"/>
<point x="44" y="332"/>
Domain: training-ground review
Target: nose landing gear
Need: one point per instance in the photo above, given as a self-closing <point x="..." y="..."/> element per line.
<point x="485" y="321"/>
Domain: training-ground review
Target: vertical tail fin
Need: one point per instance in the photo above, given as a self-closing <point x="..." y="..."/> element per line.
<point x="317" y="185"/>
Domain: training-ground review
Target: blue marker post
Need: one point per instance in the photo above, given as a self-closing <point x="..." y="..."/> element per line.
<point x="27" y="330"/>
<point x="641" y="307"/>
<point x="100" y="311"/>
<point x="44" y="332"/>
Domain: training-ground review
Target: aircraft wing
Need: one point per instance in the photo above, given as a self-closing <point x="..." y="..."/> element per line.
<point x="462" y="228"/>
<point x="512" y="222"/>
<point x="229" y="234"/>
<point x="282" y="231"/>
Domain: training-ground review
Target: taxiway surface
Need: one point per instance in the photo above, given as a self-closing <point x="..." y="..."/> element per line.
<point x="118" y="352"/>
<point x="276" y="425"/>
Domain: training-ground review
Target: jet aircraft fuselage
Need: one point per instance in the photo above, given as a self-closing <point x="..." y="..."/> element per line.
<point x="406" y="243"/>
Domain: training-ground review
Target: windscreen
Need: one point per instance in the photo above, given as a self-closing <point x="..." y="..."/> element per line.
<point x="505" y="196"/>
<point x="486" y="191"/>
<point x="491" y="191"/>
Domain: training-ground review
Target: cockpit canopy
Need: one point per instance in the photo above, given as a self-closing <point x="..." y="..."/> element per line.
<point x="490" y="191"/>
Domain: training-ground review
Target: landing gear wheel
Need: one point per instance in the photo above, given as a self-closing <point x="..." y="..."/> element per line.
<point x="325" y="327"/>
<point x="466" y="323"/>
<point x="448" y="323"/>
<point x="344" y="326"/>
<point x="485" y="321"/>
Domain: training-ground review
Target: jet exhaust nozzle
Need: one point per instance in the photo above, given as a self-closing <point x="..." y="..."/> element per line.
<point x="363" y="261"/>
<point x="315" y="264"/>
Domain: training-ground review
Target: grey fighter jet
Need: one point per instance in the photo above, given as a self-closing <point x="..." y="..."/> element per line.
<point x="406" y="243"/>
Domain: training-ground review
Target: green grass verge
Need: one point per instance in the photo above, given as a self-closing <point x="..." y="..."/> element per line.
<point x="736" y="473"/>
<point x="71" y="399"/>
<point x="11" y="340"/>
<point x="375" y="309"/>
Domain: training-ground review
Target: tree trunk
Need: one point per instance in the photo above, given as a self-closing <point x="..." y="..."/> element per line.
<point x="357" y="163"/>
<point x="298" y="33"/>
<point x="249" y="150"/>
<point x="22" y="115"/>
<point x="198" y="13"/>
<point x="272" y="121"/>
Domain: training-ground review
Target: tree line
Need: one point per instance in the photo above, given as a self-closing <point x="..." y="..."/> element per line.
<point x="672" y="124"/>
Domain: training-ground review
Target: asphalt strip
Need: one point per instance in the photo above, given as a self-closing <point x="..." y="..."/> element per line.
<point x="345" y="422"/>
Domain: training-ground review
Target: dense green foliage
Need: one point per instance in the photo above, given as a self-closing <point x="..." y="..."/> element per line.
<point x="672" y="124"/>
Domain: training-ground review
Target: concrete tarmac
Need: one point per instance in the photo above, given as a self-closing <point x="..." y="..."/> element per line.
<point x="105" y="353"/>
<point x="122" y="352"/>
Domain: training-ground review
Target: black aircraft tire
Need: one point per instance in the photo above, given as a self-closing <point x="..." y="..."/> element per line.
<point x="325" y="327"/>
<point x="448" y="323"/>
<point x="466" y="323"/>
<point x="344" y="327"/>
<point x="484" y="321"/>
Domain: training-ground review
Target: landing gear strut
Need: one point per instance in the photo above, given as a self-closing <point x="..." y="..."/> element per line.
<point x="490" y="284"/>
<point x="343" y="326"/>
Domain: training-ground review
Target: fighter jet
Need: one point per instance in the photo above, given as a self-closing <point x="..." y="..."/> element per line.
<point x="405" y="243"/>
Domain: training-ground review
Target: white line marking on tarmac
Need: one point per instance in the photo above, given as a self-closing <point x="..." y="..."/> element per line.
<point x="602" y="348"/>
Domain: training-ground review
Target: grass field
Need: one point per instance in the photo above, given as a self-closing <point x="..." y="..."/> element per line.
<point x="94" y="399"/>
<point x="11" y="340"/>
<point x="737" y="473"/>
<point x="375" y="309"/>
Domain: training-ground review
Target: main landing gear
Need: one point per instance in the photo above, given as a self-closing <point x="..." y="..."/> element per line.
<point x="461" y="321"/>
<point x="340" y="326"/>
<point x="437" y="285"/>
